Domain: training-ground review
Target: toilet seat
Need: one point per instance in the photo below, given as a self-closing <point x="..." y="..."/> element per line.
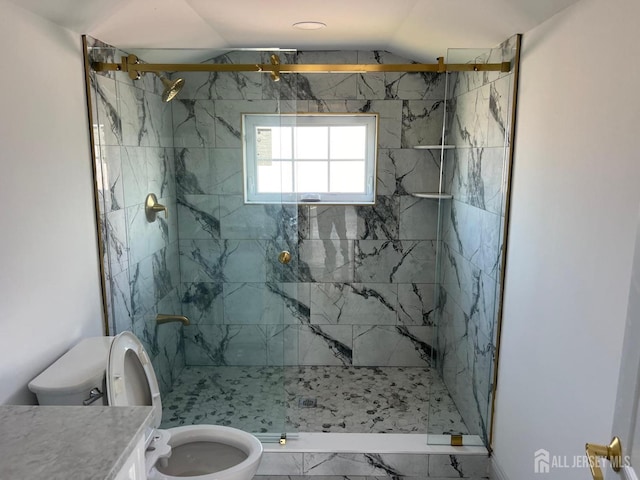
<point x="131" y="380"/>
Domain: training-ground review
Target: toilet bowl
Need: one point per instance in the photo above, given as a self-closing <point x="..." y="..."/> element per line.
<point x="121" y="365"/>
<point x="200" y="450"/>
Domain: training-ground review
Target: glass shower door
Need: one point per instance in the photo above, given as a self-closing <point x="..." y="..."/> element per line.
<point x="471" y="230"/>
<point x="240" y="350"/>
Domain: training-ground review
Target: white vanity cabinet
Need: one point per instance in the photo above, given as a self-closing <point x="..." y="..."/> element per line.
<point x="134" y="467"/>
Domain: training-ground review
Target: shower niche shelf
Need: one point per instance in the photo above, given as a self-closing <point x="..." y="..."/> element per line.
<point x="433" y="195"/>
<point x="434" y="147"/>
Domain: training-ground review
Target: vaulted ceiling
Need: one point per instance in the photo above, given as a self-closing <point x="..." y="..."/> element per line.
<point x="420" y="29"/>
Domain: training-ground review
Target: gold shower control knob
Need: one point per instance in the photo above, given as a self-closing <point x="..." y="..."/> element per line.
<point x="284" y="257"/>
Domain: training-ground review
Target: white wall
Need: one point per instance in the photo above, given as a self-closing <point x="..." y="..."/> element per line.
<point x="49" y="279"/>
<point x="576" y="191"/>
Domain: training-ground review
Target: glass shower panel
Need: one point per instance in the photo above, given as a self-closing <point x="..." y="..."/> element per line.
<point x="471" y="226"/>
<point x="234" y="281"/>
<point x="133" y="154"/>
<point x="213" y="258"/>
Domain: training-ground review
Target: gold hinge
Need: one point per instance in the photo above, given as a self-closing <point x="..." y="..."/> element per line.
<point x="283" y="439"/>
<point x="456" y="440"/>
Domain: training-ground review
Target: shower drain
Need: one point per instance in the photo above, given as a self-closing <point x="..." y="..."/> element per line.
<point x="307" y="402"/>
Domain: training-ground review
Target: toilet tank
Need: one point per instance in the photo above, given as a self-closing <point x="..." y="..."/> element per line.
<point x="70" y="379"/>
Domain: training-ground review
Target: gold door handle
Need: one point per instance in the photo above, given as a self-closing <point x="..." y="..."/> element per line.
<point x="612" y="452"/>
<point x="284" y="257"/>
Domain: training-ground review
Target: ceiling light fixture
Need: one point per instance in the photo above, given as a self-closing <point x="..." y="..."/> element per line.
<point x="309" y="25"/>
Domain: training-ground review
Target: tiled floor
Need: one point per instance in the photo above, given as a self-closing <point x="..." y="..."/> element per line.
<point x="349" y="399"/>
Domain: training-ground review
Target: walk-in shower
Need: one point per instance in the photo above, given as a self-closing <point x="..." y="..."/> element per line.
<point x="385" y="318"/>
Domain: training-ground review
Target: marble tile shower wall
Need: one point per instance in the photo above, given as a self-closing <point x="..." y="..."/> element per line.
<point x="472" y="227"/>
<point x="360" y="288"/>
<point x="134" y="157"/>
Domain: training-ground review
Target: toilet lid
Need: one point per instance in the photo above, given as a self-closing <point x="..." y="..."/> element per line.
<point x="131" y="380"/>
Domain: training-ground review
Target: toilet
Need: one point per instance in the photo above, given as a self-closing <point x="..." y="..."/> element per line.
<point x="117" y="371"/>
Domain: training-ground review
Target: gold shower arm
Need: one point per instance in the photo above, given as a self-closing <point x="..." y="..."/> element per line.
<point x="162" y="318"/>
<point x="130" y="64"/>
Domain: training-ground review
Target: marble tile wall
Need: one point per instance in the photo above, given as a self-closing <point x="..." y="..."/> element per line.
<point x="478" y="116"/>
<point x="360" y="288"/>
<point x="369" y="466"/>
<point x="134" y="154"/>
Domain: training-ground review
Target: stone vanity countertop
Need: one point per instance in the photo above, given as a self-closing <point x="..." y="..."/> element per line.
<point x="79" y="443"/>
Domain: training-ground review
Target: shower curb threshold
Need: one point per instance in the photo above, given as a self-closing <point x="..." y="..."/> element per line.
<point x="376" y="443"/>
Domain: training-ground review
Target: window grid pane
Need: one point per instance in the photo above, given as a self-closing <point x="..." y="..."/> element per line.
<point x="348" y="142"/>
<point x="311" y="143"/>
<point x="311" y="177"/>
<point x="275" y="177"/>
<point x="347" y="177"/>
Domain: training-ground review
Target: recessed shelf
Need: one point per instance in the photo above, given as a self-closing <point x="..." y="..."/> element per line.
<point x="434" y="147"/>
<point x="434" y="195"/>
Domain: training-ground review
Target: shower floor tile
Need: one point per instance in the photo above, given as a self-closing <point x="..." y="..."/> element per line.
<point x="348" y="399"/>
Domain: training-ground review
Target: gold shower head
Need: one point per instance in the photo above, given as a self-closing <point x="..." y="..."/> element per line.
<point x="171" y="87"/>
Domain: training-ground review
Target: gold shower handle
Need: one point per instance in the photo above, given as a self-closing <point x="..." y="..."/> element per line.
<point x="612" y="452"/>
<point x="284" y="257"/>
<point x="152" y="208"/>
<point x="160" y="208"/>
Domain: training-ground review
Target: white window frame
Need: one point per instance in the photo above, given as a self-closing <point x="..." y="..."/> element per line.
<point x="250" y="123"/>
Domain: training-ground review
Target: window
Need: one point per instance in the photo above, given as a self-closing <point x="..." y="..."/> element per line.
<point x="301" y="158"/>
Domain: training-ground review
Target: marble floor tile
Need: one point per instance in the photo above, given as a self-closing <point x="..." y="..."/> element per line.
<point x="349" y="399"/>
